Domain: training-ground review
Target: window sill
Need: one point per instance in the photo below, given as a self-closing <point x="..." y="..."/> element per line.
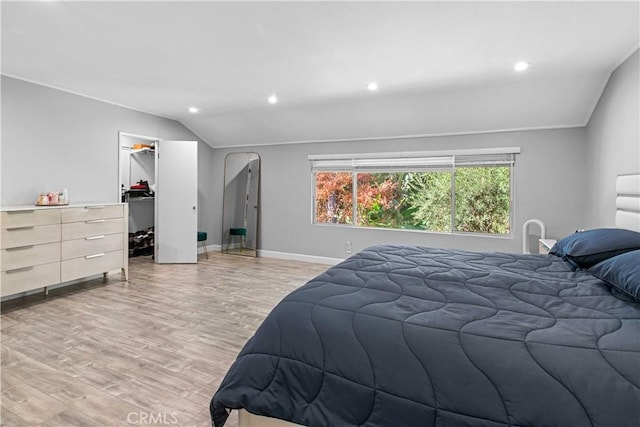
<point x="509" y="236"/>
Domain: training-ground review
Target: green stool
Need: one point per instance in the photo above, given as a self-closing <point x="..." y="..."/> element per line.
<point x="202" y="237"/>
<point x="240" y="231"/>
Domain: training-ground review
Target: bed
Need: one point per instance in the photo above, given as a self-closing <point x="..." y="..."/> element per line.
<point x="402" y="335"/>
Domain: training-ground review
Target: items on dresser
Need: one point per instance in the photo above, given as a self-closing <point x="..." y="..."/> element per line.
<point x="42" y="246"/>
<point x="54" y="198"/>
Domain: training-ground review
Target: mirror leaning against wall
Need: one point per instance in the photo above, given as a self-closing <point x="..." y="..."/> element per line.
<point x="240" y="204"/>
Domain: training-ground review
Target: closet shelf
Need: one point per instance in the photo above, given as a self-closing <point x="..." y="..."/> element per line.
<point x="144" y="150"/>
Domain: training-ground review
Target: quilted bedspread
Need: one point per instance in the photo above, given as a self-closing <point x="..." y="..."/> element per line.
<point x="413" y="336"/>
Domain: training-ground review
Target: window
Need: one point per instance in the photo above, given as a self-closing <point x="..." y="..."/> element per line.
<point x="468" y="192"/>
<point x="334" y="195"/>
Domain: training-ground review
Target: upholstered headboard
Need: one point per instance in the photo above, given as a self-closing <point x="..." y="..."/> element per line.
<point x="628" y="202"/>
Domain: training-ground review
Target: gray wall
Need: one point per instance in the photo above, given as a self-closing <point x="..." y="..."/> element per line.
<point x="613" y="142"/>
<point x="549" y="179"/>
<point x="53" y="139"/>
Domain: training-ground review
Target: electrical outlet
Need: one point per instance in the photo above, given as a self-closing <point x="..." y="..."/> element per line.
<point x="348" y="246"/>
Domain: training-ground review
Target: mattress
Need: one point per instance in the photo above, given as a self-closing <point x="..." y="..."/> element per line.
<point x="414" y="336"/>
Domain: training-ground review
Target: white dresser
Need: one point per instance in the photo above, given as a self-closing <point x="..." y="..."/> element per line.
<point x="43" y="246"/>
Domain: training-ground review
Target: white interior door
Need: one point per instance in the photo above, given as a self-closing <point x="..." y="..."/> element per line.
<point x="176" y="202"/>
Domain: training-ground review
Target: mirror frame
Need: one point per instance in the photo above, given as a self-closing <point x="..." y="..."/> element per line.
<point x="252" y="252"/>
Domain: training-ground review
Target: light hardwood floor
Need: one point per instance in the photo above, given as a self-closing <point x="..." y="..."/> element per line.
<point x="150" y="351"/>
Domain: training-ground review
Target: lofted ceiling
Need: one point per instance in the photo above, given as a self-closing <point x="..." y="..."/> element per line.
<point x="442" y="67"/>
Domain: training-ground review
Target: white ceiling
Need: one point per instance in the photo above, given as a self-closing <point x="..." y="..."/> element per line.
<point x="442" y="67"/>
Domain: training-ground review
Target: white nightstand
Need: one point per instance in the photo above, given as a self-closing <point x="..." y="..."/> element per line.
<point x="545" y="245"/>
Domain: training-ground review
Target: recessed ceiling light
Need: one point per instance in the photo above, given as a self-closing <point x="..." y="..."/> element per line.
<point x="272" y="99"/>
<point x="193" y="110"/>
<point x="373" y="86"/>
<point x="521" y="66"/>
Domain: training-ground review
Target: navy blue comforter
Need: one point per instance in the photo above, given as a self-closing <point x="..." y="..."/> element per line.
<point x="412" y="336"/>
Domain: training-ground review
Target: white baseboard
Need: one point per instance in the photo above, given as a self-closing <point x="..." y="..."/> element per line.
<point x="299" y="257"/>
<point x="210" y="248"/>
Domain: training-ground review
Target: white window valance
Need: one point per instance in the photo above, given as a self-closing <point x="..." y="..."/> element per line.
<point x="414" y="161"/>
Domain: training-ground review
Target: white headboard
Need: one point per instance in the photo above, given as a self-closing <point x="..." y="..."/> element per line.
<point x="628" y="202"/>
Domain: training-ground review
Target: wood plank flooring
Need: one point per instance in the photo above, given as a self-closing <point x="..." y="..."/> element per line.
<point x="150" y="351"/>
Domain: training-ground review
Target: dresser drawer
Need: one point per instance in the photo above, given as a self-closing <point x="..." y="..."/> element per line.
<point x="88" y="213"/>
<point x="92" y="245"/>
<point x="22" y="218"/>
<point x="29" y="235"/>
<point x="28" y="278"/>
<point x="24" y="256"/>
<point x="91" y="264"/>
<point x="90" y="228"/>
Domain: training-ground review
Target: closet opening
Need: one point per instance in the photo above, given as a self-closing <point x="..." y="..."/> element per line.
<point x="137" y="187"/>
<point x="158" y="179"/>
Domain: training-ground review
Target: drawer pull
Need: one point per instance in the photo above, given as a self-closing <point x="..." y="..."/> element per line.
<point x="17" y="270"/>
<point x="26" y="227"/>
<point x="94" y="207"/>
<point x="23" y="211"/>
<point x="94" y="256"/>
<point x="95" y="221"/>
<point x="94" y="238"/>
<point x="20" y="248"/>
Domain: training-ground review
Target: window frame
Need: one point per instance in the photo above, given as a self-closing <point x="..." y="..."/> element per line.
<point x="416" y="161"/>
